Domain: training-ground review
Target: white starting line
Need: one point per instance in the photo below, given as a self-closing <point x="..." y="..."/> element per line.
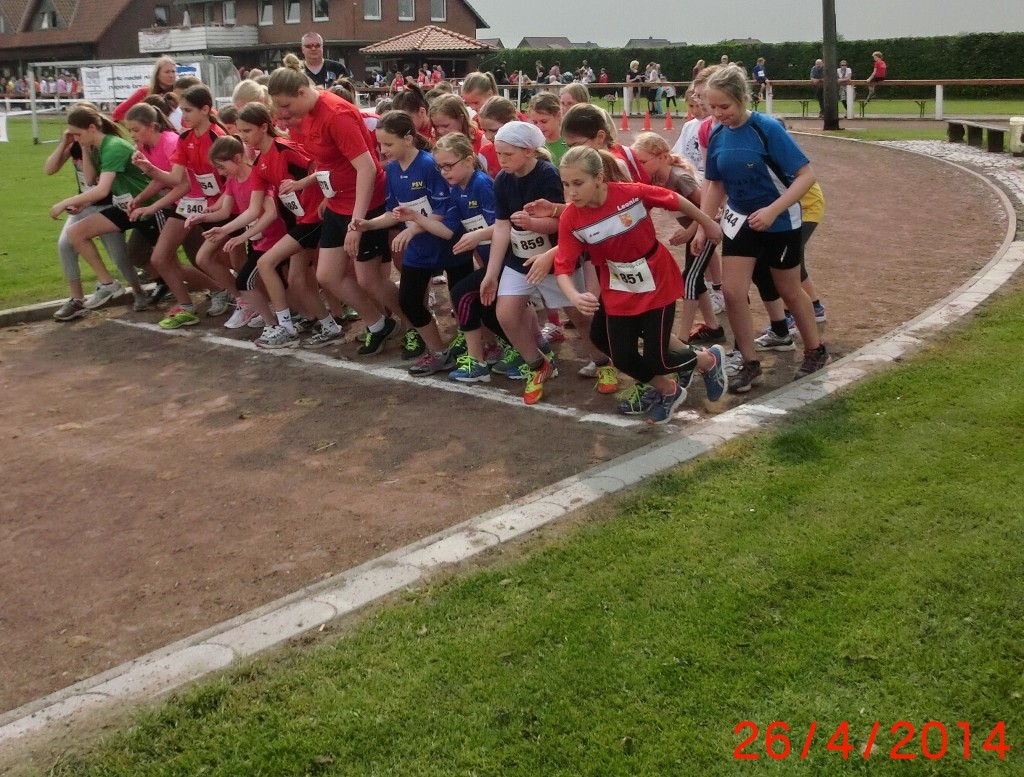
<point x="500" y="396"/>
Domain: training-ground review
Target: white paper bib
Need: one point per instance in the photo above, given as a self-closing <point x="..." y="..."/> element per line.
<point x="122" y="201"/>
<point x="421" y="204"/>
<point x="291" y="202"/>
<point x="208" y="183"/>
<point x="474" y="223"/>
<point x="732" y="222"/>
<point x="634" y="277"/>
<point x="191" y="206"/>
<point x="526" y="244"/>
<point x="323" y="177"/>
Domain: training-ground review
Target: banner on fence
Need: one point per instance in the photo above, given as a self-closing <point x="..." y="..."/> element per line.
<point x="117" y="82"/>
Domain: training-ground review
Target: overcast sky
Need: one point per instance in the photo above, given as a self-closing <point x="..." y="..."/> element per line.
<point x="772" y="21"/>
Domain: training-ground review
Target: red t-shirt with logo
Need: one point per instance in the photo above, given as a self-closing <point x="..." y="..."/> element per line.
<point x="636" y="170"/>
<point x="193" y="153"/>
<point x="282" y="161"/>
<point x="333" y="134"/>
<point x="622" y="231"/>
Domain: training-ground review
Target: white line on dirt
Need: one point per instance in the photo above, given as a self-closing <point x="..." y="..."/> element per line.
<point x="500" y="396"/>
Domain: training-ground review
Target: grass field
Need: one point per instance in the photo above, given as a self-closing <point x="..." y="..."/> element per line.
<point x="859" y="565"/>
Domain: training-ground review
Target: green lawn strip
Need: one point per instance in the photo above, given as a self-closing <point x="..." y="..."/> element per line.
<point x="860" y="564"/>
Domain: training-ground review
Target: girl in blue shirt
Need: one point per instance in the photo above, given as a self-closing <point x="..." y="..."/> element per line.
<point x="416" y="191"/>
<point x="759" y="174"/>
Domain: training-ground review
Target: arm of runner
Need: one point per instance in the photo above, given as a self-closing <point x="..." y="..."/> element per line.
<point x="713" y="195"/>
<point x="244" y="219"/>
<point x="60" y="154"/>
<point x="499" y="247"/>
<point x="763" y="218"/>
<point x="366" y="174"/>
<point x="88" y="197"/>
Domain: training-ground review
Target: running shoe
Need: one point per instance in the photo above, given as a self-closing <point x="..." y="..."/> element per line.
<point x="437" y="280"/>
<point x="636" y="400"/>
<point x="275" y="337"/>
<point x="140" y="301"/>
<point x="733" y="363"/>
<point x="665" y="405"/>
<point x="493" y="353"/>
<point x="469" y="370"/>
<point x="588" y="370"/>
<point x="323" y="336"/>
<point x="373" y="342"/>
<point x="553" y="333"/>
<point x="819" y="313"/>
<point x="706" y="334"/>
<point x="457" y="347"/>
<point x="814" y="360"/>
<point x="303" y="325"/>
<point x="178" y="317"/>
<point x="607" y="379"/>
<point x="103" y="294"/>
<point x="769" y="341"/>
<point x="219" y="303"/>
<point x="70" y="310"/>
<point x="159" y="294"/>
<point x="510" y="364"/>
<point x="256" y="322"/>
<point x="717" y="301"/>
<point x="535" y="379"/>
<point x="413" y="346"/>
<point x="715" y="379"/>
<point x="431" y="362"/>
<point x="790" y="322"/>
<point x="241" y="317"/>
<point x="750" y="375"/>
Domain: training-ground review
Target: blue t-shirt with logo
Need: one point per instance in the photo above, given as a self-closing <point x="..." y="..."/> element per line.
<point x="472" y="208"/>
<point x="421" y="186"/>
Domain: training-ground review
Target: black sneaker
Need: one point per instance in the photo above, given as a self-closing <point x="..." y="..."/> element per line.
<point x="413" y="346"/>
<point x="373" y="342"/>
<point x="749" y="376"/>
<point x="303" y="325"/>
<point x="159" y="294"/>
<point x="813" y="361"/>
<point x="706" y="334"/>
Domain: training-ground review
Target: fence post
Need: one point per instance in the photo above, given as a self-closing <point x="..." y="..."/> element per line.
<point x="768" y="100"/>
<point x="32" y="104"/>
<point x="939" y="97"/>
<point x="851" y="101"/>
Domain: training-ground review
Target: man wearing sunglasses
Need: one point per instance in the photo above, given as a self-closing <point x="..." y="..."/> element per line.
<point x="324" y="72"/>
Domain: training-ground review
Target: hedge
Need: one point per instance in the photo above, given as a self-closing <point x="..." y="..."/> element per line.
<point x="977" y="55"/>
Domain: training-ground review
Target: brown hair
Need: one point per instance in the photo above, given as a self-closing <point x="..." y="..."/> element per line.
<point x="228" y="114"/>
<point x="400" y="124"/>
<point x="185" y="82"/>
<point x="586" y="120"/>
<point x="545" y="102"/>
<point x="258" y="115"/>
<point x="83" y="116"/>
<point x="225" y="149"/>
<point x="199" y="96"/>
<point x="144" y="113"/>
<point x="577" y="92"/>
<point x="451" y="105"/>
<point x="411" y="100"/>
<point x="499" y="109"/>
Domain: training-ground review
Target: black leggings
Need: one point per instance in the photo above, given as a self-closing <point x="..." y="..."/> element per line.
<point x="470" y="312"/>
<point x="763" y="274"/>
<point x="413" y="289"/>
<point x="693" y="273"/>
<point x="617" y="337"/>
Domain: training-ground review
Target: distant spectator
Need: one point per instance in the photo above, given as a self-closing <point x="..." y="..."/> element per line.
<point x="323" y="72"/>
<point x="725" y="60"/>
<point x="696" y="69"/>
<point x="500" y="75"/>
<point x="165" y="73"/>
<point x="761" y="77"/>
<point x="845" y="76"/>
<point x="634" y="78"/>
<point x="818" y="79"/>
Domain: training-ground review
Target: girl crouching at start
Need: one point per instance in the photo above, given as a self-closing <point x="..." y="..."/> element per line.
<point x="639" y="279"/>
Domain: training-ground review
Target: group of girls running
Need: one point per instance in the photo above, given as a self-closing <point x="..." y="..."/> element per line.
<point x="528" y="218"/>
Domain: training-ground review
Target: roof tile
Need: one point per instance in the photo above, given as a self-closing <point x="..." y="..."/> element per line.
<point x="429" y="38"/>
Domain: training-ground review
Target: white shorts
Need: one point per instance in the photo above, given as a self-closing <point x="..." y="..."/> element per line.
<point x="514" y="284"/>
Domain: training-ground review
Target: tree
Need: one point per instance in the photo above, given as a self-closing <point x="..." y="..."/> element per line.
<point x="829" y="48"/>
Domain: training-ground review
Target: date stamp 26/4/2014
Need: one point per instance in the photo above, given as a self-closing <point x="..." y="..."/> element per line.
<point x="933" y="741"/>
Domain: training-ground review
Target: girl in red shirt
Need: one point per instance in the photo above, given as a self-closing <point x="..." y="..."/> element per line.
<point x="352" y="181"/>
<point x="585" y="124"/>
<point x="192" y="174"/>
<point x="639" y="279"/>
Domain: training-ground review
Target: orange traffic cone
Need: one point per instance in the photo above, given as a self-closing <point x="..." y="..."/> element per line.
<point x="668" y="120"/>
<point x="625" y="121"/>
<point x="647" y="121"/>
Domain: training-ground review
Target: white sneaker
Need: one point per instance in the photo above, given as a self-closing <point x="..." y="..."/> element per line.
<point x="219" y="303"/>
<point x="241" y="317"/>
<point x="256" y="322"/>
<point x="733" y="363"/>
<point x="717" y="301"/>
<point x="103" y="294"/>
<point x="588" y="370"/>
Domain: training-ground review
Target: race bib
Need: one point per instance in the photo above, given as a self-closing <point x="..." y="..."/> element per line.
<point x="732" y="222"/>
<point x="323" y="177"/>
<point x="291" y="202"/>
<point x="474" y="223"/>
<point x="526" y="244"/>
<point x="634" y="277"/>
<point x="257" y="236"/>
<point x="208" y="183"/>
<point x="122" y="201"/>
<point x="422" y="205"/>
<point x="191" y="206"/>
<point x="82" y="185"/>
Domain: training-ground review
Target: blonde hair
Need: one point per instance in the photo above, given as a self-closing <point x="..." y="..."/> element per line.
<point x="498" y="109"/>
<point x="577" y="91"/>
<point x="479" y="82"/>
<point x="154" y="82"/>
<point x="288" y="79"/>
<point x="250" y="92"/>
<point x="653" y="143"/>
<point x="594" y="163"/>
<point x="732" y="82"/>
<point x="458" y="144"/>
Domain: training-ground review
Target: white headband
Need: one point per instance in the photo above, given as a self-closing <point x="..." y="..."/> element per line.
<point x="521" y="134"/>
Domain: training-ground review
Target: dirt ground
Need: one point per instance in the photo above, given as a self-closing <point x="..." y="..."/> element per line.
<point x="156" y="485"/>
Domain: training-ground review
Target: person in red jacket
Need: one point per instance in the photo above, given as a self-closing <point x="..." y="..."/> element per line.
<point x="165" y="73"/>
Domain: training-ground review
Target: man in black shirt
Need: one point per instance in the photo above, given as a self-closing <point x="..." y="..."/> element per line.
<point x="324" y="72"/>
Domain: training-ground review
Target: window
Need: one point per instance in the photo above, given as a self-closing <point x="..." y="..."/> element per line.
<point x="46" y="17"/>
<point x="160" y="15"/>
<point x="208" y="14"/>
<point x="3" y="24"/>
<point x="228" y="12"/>
<point x="291" y="11"/>
<point x="438" y="10"/>
<point x="320" y="10"/>
<point x="406" y="10"/>
<point x="371" y="9"/>
<point x="266" y="12"/>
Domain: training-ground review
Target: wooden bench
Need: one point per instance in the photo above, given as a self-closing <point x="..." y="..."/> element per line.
<point x="976" y="132"/>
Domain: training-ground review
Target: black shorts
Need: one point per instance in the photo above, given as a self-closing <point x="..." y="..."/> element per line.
<point x="246" y="278"/>
<point x="306" y="235"/>
<point x="149" y="227"/>
<point x="372" y="244"/>
<point x="778" y="250"/>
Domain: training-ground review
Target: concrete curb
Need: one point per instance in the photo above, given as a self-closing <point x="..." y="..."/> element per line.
<point x="218" y="647"/>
